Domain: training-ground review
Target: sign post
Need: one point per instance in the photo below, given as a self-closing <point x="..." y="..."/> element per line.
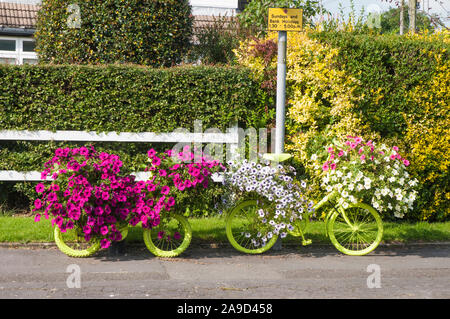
<point x="281" y="93"/>
<point x="282" y="20"/>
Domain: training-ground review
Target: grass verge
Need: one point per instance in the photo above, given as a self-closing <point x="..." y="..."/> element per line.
<point x="212" y="230"/>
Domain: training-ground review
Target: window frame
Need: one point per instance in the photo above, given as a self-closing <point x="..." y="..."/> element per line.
<point x="19" y="54"/>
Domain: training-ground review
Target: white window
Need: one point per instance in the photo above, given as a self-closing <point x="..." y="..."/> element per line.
<point x="14" y="50"/>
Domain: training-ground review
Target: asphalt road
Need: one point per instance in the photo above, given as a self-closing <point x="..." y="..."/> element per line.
<point x="419" y="271"/>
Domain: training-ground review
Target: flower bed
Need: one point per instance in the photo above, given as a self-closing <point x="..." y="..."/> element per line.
<point x="367" y="172"/>
<point x="89" y="194"/>
<point x="280" y="195"/>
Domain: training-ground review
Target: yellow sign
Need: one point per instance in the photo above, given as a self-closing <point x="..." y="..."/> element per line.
<point x="285" y="19"/>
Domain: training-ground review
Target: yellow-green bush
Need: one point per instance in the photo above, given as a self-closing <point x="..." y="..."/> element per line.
<point x="320" y="101"/>
<point x="391" y="89"/>
<point x="428" y="136"/>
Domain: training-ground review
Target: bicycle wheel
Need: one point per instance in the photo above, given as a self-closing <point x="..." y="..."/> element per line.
<point x="170" y="238"/>
<point x="361" y="235"/>
<point x="246" y="231"/>
<point x="73" y="244"/>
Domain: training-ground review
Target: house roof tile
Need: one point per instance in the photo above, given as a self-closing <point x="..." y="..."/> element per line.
<point x="17" y="15"/>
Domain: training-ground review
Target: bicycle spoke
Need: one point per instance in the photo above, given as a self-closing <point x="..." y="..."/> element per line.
<point x="359" y="233"/>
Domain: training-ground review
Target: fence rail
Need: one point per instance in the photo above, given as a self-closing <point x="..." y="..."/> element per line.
<point x="232" y="138"/>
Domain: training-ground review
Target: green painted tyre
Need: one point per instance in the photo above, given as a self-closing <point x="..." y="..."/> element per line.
<point x="73" y="244"/>
<point x="246" y="231"/>
<point x="170" y="238"/>
<point x="362" y="235"/>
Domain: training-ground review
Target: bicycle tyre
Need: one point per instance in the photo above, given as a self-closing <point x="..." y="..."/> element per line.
<point x="162" y="247"/>
<point x="363" y="236"/>
<point x="246" y="211"/>
<point x="74" y="252"/>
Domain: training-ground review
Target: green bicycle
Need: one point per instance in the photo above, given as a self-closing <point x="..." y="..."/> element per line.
<point x="355" y="230"/>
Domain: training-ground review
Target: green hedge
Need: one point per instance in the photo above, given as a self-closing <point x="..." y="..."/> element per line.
<point x="387" y="67"/>
<point x="148" y="32"/>
<point x="126" y="98"/>
<point x="404" y="86"/>
<point x="122" y="99"/>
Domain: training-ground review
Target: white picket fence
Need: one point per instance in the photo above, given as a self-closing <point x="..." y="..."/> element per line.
<point x="231" y="138"/>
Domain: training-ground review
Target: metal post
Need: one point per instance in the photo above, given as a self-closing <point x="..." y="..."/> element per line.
<point x="281" y="92"/>
<point x="281" y="101"/>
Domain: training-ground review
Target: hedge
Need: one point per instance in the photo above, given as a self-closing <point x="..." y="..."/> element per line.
<point x="122" y="99"/>
<point x="387" y="68"/>
<point x="148" y="32"/>
<point x="390" y="89"/>
<point x="404" y="90"/>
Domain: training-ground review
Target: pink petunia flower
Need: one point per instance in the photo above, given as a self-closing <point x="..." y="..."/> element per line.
<point x="52" y="197"/>
<point x="171" y="201"/>
<point x="165" y="190"/>
<point x="104" y="230"/>
<point x="105" y="243"/>
<point x="40" y="188"/>
<point x="87" y="230"/>
<point x="156" y="161"/>
<point x="38" y="204"/>
<point x="162" y="172"/>
<point x="151" y="152"/>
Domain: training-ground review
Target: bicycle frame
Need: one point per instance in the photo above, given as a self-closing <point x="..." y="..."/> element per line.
<point x="333" y="210"/>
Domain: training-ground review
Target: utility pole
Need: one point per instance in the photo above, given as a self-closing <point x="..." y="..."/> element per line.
<point x="412" y="15"/>
<point x="402" y="18"/>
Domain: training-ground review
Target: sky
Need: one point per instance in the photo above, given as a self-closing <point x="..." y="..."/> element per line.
<point x="442" y="9"/>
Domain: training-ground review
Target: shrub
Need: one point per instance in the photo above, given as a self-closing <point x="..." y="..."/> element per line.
<point x="149" y="32"/>
<point x="428" y="134"/>
<point x="319" y="96"/>
<point x="404" y="85"/>
<point x="214" y="43"/>
<point x="381" y="87"/>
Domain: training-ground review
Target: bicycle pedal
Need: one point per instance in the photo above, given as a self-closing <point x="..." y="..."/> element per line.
<point x="306" y="242"/>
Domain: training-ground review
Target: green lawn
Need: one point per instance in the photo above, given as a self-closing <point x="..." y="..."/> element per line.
<point x="212" y="229"/>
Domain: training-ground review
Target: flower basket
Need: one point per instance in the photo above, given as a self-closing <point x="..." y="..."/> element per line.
<point x="361" y="171"/>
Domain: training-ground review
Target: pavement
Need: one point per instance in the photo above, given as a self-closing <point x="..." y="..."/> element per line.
<point x="219" y="272"/>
